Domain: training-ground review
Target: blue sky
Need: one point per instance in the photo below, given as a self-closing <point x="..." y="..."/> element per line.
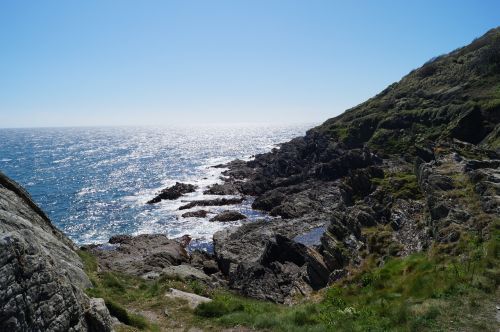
<point x="78" y="63"/>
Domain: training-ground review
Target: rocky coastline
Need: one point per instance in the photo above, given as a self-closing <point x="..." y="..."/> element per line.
<point x="414" y="169"/>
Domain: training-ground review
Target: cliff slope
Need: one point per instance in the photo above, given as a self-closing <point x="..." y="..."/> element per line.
<point x="41" y="275"/>
<point x="411" y="169"/>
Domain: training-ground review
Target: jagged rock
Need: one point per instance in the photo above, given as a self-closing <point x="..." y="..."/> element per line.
<point x="195" y="214"/>
<point x="173" y="192"/>
<point x="246" y="243"/>
<point x="336" y="275"/>
<point x="486" y="178"/>
<point x="212" y="202"/>
<point x="41" y="276"/>
<point x="227" y="188"/>
<point x="269" y="200"/>
<point x="228" y="215"/>
<point x="138" y="255"/>
<point x="284" y="269"/>
<point x="355" y="172"/>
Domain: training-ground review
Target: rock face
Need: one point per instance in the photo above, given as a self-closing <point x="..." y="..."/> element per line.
<point x="41" y="276"/>
<point x="415" y="165"/>
<point x="142" y="254"/>
<point x="173" y="192"/>
<point x="228" y="215"/>
<point x="286" y="268"/>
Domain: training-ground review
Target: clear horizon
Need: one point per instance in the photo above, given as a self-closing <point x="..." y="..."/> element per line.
<point x="159" y="63"/>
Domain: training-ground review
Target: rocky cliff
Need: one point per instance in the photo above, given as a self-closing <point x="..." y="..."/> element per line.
<point x="412" y="168"/>
<point x="42" y="280"/>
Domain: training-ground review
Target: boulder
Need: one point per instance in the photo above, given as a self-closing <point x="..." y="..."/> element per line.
<point x="173" y="192"/>
<point x="228" y="215"/>
<point x="195" y="214"/>
<point x="138" y="255"/>
<point x="193" y="300"/>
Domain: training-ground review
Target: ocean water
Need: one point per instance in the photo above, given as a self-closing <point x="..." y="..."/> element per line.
<point x="94" y="182"/>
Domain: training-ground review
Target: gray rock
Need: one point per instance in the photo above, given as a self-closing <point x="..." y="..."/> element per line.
<point x="139" y="255"/>
<point x="195" y="214"/>
<point x="286" y="268"/>
<point x="228" y="215"/>
<point x="98" y="317"/>
<point x="41" y="276"/>
<point x="245" y="244"/>
<point x="193" y="300"/>
<point x="222" y="189"/>
<point x="212" y="202"/>
<point x="184" y="272"/>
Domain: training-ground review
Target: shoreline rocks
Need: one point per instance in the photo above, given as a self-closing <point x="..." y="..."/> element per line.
<point x="228" y="215"/>
<point x="141" y="254"/>
<point x="212" y="202"/>
<point x="195" y="214"/>
<point x="174" y="192"/>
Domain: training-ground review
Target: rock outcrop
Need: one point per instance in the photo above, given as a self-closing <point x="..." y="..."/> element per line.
<point x="228" y="215"/>
<point x="284" y="269"/>
<point x="140" y="255"/>
<point x="173" y="192"/>
<point x="42" y="280"/>
<point x="211" y="202"/>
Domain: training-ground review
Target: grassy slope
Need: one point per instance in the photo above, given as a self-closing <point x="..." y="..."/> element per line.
<point x="428" y="104"/>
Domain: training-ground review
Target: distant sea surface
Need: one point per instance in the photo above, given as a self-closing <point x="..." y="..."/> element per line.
<point x="94" y="182"/>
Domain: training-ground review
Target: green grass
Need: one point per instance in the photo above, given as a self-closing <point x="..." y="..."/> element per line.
<point x="126" y="297"/>
<point x="400" y="185"/>
<point x="112" y="288"/>
<point x="421" y="292"/>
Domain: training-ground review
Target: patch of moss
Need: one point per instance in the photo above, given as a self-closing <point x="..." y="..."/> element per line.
<point x="402" y="185"/>
<point x="391" y="141"/>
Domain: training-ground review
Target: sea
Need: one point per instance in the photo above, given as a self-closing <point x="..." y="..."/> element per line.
<point x="94" y="183"/>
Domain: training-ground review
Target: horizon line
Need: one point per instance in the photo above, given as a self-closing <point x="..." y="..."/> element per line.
<point x="176" y="125"/>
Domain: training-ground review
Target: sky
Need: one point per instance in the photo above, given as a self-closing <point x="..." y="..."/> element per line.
<point x="102" y="62"/>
